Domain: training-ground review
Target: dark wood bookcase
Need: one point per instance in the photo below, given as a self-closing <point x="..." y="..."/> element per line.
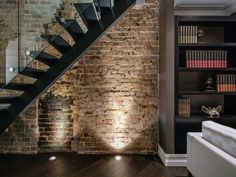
<point x="190" y="82"/>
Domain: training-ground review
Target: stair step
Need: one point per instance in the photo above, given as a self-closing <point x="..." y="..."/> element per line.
<point x="105" y="3"/>
<point x="16" y="86"/>
<point x="8" y="99"/>
<point x="72" y="27"/>
<point x="32" y="72"/>
<point x="4" y="107"/>
<point x="87" y="11"/>
<point x="57" y="42"/>
<point x="43" y="57"/>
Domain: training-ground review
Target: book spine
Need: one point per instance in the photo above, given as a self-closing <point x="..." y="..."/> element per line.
<point x="217" y="59"/>
<point x="197" y="60"/>
<point x="225" y="59"/>
<point x="201" y="59"/>
<point x="228" y="82"/>
<point x="234" y="83"/>
<point x="211" y="59"/>
<point x="207" y="59"/>
<point x="187" y="58"/>
<point x="192" y="34"/>
<point x="184" y="34"/>
<point x="194" y="58"/>
<point x="224" y="83"/>
<point x="179" y="34"/>
<point x="220" y="83"/>
<point x="195" y="31"/>
<point x="222" y="59"/>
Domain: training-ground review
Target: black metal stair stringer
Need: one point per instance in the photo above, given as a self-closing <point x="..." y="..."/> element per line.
<point x="65" y="62"/>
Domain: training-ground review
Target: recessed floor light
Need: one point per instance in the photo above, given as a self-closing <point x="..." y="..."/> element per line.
<point x="118" y="157"/>
<point x="52" y="158"/>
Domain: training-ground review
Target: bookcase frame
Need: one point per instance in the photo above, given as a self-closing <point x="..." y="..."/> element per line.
<point x="190" y="78"/>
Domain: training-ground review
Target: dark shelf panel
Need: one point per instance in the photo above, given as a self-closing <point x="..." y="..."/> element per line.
<point x="206" y="69"/>
<point x="203" y="118"/>
<point x="207" y="19"/>
<point x="205" y="93"/>
<point x="186" y="45"/>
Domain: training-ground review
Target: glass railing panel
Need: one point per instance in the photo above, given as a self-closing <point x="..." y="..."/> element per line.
<point x="42" y="28"/>
<point x="35" y="16"/>
<point x="9" y="33"/>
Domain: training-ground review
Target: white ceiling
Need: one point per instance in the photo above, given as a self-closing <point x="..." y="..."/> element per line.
<point x="205" y="7"/>
<point x="204" y="3"/>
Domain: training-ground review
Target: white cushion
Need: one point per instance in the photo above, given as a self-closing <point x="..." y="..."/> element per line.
<point x="221" y="136"/>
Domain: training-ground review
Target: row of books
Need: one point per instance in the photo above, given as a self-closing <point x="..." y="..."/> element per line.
<point x="206" y="58"/>
<point x="226" y="82"/>
<point x="187" y="34"/>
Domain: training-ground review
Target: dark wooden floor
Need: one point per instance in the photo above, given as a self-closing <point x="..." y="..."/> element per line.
<point x="73" y="165"/>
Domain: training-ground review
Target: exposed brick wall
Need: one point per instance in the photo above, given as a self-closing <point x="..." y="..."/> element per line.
<point x="22" y="136"/>
<point x="114" y="89"/>
<point x="108" y="101"/>
<point x="55" y="123"/>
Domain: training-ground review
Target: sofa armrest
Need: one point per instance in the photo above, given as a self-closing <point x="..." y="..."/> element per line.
<point x="190" y="136"/>
<point x="206" y="160"/>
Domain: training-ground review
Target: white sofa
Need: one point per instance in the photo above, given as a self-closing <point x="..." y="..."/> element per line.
<point x="212" y="153"/>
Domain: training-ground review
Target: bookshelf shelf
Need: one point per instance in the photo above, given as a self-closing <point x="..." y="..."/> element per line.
<point x="205" y="93"/>
<point x="191" y="45"/>
<point x="183" y="69"/>
<point x="210" y="53"/>
<point x="203" y="117"/>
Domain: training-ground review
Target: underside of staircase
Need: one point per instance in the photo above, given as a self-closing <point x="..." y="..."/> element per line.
<point x="91" y="20"/>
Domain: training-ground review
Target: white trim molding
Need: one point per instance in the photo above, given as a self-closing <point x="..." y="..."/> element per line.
<point x="225" y="8"/>
<point x="172" y="160"/>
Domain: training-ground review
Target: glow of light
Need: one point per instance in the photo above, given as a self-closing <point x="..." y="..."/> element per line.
<point x="118" y="143"/>
<point x="52" y="158"/>
<point x="118" y="158"/>
<point x="27" y="52"/>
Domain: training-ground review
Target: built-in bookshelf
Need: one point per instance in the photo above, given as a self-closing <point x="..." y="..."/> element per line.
<point x="205" y="70"/>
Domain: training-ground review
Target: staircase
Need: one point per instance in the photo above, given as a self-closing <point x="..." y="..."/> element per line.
<point x="83" y="23"/>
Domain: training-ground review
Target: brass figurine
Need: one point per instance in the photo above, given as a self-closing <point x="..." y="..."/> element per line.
<point x="214" y="112"/>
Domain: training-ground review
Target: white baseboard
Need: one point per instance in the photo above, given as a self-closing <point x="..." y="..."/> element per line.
<point x="174" y="160"/>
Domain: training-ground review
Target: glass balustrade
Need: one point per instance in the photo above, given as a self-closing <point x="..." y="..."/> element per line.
<point x="9" y="40"/>
<point x="31" y="27"/>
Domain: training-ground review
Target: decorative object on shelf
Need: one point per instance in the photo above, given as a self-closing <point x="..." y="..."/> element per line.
<point x="214" y="112"/>
<point x="210" y="34"/>
<point x="184" y="108"/>
<point x="200" y="32"/>
<point x="209" y="84"/>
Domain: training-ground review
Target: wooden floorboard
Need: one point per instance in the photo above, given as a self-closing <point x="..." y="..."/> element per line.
<point x="74" y="165"/>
